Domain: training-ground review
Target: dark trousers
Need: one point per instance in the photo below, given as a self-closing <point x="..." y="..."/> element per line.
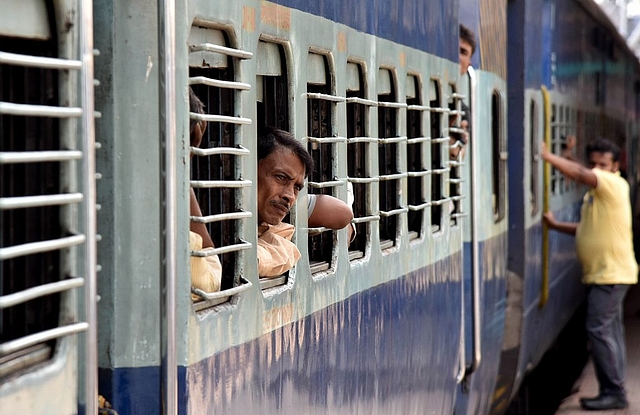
<point x="605" y="329"/>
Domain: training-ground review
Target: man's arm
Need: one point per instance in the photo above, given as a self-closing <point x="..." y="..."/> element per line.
<point x="571" y="169"/>
<point x="330" y="212"/>
<point x="197" y="227"/>
<point x="564" y="227"/>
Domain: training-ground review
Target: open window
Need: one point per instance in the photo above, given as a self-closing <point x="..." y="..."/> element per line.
<point x="216" y="174"/>
<point x="498" y="158"/>
<point x="416" y="169"/>
<point x="358" y="169"/>
<point x="272" y="92"/>
<point x="389" y="171"/>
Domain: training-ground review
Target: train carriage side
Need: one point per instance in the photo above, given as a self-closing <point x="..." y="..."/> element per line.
<point x="360" y="327"/>
<point x="585" y="93"/>
<point x="47" y="208"/>
<point x="486" y="231"/>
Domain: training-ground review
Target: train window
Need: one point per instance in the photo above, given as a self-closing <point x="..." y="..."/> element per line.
<point x="439" y="143"/>
<point x="216" y="175"/>
<point x="41" y="177"/>
<point x="455" y="164"/>
<point x="389" y="171"/>
<point x="499" y="159"/>
<point x="272" y="92"/>
<point x="272" y="86"/>
<point x="322" y="142"/>
<point x="358" y="166"/>
<point x="534" y="157"/>
<point x="416" y="169"/>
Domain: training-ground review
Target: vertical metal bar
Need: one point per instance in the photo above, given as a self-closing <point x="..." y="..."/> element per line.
<point x="475" y="249"/>
<point x="167" y="98"/>
<point x="89" y="190"/>
<point x="546" y="174"/>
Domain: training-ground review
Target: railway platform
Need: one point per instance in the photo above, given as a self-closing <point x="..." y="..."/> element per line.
<point x="587" y="386"/>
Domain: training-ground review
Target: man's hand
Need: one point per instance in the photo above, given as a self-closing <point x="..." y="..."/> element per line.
<point x="549" y="219"/>
<point x="544" y="151"/>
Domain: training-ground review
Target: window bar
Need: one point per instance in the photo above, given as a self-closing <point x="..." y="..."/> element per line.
<point x="325" y="97"/>
<point x="204" y="152"/>
<point x="37" y="201"/>
<point x="10" y="108"/>
<point x="326" y="140"/>
<point x="38" y="156"/>
<point x="217" y="83"/>
<point x="43" y="336"/>
<point x="41" y="246"/>
<point x="221" y="216"/>
<point x="365" y="219"/>
<point x="367" y="102"/>
<point x="210" y="47"/>
<point x="210" y="184"/>
<point x="220" y="118"/>
<point x="221" y="250"/>
<point x="40" y="291"/>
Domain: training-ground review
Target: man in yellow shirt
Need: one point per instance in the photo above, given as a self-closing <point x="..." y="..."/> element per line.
<point x="604" y="247"/>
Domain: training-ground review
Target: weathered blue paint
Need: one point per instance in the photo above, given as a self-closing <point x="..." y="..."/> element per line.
<point x="477" y="390"/>
<point x="136" y="390"/>
<point x="395" y="344"/>
<point x="430" y="26"/>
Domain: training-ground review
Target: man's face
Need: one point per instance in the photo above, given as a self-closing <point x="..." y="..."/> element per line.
<point x="465" y="56"/>
<point x="280" y="178"/>
<point x="603" y="161"/>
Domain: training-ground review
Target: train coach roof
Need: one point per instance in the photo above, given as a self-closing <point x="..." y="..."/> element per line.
<point x="601" y="17"/>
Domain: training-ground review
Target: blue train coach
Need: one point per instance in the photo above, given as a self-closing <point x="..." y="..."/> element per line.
<point x="451" y="291"/>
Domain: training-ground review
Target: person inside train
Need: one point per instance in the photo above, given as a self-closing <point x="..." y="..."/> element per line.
<point x="604" y="247"/>
<point x="457" y="141"/>
<point x="283" y="164"/>
<point x="206" y="272"/>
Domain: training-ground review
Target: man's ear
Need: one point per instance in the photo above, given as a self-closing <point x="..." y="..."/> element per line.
<point x="615" y="166"/>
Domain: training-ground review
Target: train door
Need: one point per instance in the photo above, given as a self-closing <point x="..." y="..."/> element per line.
<point x="485" y="242"/>
<point x="47" y="208"/>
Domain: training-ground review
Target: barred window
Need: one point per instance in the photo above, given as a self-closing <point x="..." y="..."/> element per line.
<point x="322" y="141"/>
<point x="358" y="166"/>
<point x="439" y="146"/>
<point x="272" y="91"/>
<point x="455" y="164"/>
<point x="216" y="174"/>
<point x="41" y="179"/>
<point x="389" y="171"/>
<point x="416" y="169"/>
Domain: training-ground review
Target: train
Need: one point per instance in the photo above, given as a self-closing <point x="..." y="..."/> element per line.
<point x="451" y="292"/>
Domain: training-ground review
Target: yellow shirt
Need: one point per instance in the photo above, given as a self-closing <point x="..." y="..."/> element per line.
<point x="604" y="240"/>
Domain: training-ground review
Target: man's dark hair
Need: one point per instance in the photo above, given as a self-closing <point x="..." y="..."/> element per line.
<point x="603" y="145"/>
<point x="273" y="138"/>
<point x="195" y="105"/>
<point x="468" y="36"/>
